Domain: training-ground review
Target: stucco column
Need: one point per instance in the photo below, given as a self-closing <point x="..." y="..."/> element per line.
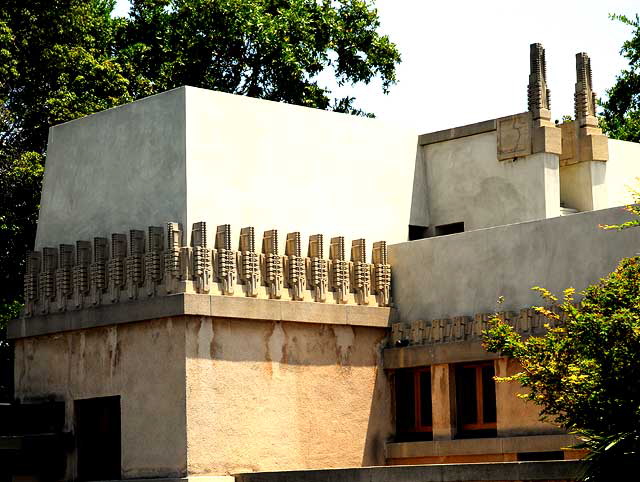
<point x="443" y="402"/>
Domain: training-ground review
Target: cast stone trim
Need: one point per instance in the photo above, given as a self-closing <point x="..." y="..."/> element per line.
<point x="144" y="265"/>
<point x="582" y="139"/>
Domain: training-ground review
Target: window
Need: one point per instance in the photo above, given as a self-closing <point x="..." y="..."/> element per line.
<point x="476" y="400"/>
<point x="418" y="232"/>
<point x="452" y="228"/>
<point x="413" y="404"/>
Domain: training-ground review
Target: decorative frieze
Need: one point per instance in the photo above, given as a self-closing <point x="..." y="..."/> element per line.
<point x="150" y="263"/>
<point x="464" y="328"/>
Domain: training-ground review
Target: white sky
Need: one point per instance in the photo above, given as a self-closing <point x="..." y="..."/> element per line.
<point x="465" y="61"/>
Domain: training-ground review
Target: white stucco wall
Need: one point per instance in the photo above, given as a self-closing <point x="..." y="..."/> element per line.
<point x="271" y="165"/>
<point x="465" y="273"/>
<point x="623" y="171"/>
<point x="192" y="155"/>
<point x="465" y="182"/>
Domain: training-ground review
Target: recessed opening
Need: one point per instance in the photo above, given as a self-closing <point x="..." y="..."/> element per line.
<point x="452" y="228"/>
<point x="531" y="456"/>
<point x="413" y="404"/>
<point x="97" y="427"/>
<point x="418" y="232"/>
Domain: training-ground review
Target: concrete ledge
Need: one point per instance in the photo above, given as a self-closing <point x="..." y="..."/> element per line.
<point x="434" y="354"/>
<point x="200" y="305"/>
<point x="457" y="132"/>
<point x="503" y="471"/>
<point x="480" y="446"/>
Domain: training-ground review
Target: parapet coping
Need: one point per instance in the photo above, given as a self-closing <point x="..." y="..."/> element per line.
<point x="200" y="305"/>
<point x="514" y="471"/>
<point x="480" y="446"/>
<point x="458" y="132"/>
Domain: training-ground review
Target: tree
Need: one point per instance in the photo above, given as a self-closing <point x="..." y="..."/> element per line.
<point x="584" y="371"/>
<point x="621" y="111"/>
<point x="271" y="49"/>
<point x="63" y="59"/>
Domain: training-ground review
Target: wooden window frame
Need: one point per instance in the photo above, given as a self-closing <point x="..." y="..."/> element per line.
<point x="480" y="423"/>
<point x="418" y="427"/>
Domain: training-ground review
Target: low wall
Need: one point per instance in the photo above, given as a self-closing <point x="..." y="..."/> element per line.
<point x="465" y="273"/>
<point x="551" y="471"/>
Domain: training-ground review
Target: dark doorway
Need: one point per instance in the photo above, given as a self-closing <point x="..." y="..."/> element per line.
<point x="98" y="438"/>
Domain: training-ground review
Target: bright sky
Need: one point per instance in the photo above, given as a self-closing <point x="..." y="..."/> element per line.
<point x="465" y="61"/>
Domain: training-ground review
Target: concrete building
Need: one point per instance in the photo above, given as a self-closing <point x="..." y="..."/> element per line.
<point x="176" y="344"/>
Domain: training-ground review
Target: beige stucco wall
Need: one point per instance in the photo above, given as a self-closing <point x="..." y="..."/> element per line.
<point x="265" y="395"/>
<point x="515" y="417"/>
<point x="141" y="362"/>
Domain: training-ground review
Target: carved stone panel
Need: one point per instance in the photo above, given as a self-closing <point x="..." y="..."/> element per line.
<point x="514" y="136"/>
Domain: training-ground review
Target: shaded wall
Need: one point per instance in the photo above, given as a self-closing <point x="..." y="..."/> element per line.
<point x="265" y="395"/>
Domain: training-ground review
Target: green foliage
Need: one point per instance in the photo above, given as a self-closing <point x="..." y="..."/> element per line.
<point x="271" y="49"/>
<point x="583" y="372"/>
<point x="621" y="111"/>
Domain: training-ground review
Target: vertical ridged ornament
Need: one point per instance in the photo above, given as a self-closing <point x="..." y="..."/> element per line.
<point x="153" y="259"/>
<point x="135" y="263"/>
<point x="172" y="265"/>
<point x="81" y="280"/>
<point x="117" y="274"/>
<point x="64" y="275"/>
<point x="318" y="271"/>
<point x="296" y="274"/>
<point x="248" y="261"/>
<point x="361" y="271"/>
<point x="31" y="294"/>
<point x="381" y="273"/>
<point x="225" y="259"/>
<point x="48" y="279"/>
<point x="99" y="277"/>
<point x="272" y="264"/>
<point x="339" y="270"/>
